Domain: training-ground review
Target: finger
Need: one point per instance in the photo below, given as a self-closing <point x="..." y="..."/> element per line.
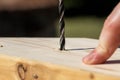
<point x="109" y="39"/>
<point x="108" y="43"/>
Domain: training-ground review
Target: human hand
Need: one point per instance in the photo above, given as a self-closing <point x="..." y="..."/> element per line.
<point x="109" y="39"/>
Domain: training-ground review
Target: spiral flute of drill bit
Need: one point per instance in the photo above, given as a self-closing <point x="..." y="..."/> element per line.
<point x="62" y="25"/>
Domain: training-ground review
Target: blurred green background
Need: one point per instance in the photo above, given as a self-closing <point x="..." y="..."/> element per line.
<point x="85" y="18"/>
<point x="83" y="26"/>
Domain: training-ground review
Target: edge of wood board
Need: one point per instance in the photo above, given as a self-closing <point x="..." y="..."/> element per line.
<point x="16" y="68"/>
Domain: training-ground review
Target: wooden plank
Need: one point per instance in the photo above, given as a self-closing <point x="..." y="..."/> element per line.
<point x="40" y="59"/>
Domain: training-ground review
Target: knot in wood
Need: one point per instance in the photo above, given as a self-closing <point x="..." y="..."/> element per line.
<point x="35" y="76"/>
<point x="21" y="71"/>
<point x="91" y="76"/>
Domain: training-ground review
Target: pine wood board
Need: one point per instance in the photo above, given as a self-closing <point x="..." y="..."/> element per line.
<point x="40" y="59"/>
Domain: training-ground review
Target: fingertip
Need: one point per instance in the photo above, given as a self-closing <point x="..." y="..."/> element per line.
<point x="87" y="59"/>
<point x="94" y="58"/>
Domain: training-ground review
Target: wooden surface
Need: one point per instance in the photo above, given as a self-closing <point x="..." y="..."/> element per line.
<point x="40" y="59"/>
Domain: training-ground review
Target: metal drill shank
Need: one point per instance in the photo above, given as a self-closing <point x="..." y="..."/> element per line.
<point x="62" y="25"/>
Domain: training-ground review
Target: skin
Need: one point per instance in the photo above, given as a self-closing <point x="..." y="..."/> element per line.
<point x="109" y="39"/>
<point x="12" y="5"/>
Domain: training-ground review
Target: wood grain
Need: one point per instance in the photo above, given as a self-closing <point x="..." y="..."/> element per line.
<point x="40" y="59"/>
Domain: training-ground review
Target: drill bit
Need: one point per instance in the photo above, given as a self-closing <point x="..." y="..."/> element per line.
<point x="62" y="25"/>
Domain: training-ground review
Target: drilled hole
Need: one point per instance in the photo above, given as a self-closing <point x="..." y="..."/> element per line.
<point x="1" y="45"/>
